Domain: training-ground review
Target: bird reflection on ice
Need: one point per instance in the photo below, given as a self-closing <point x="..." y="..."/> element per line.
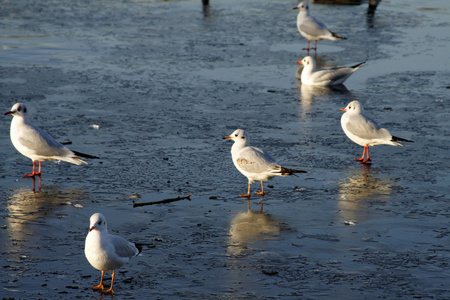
<point x="251" y="227"/>
<point x="27" y="215"/>
<point x="360" y="189"/>
<point x="308" y="93"/>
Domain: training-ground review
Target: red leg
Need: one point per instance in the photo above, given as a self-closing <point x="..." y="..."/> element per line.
<point x="34" y="170"/>
<point x="307" y="48"/>
<point x="38" y="173"/>
<point x="261" y="193"/>
<point x="110" y="290"/>
<point x="368" y="157"/>
<point x="100" y="286"/>
<point x="362" y="157"/>
<point x="315" y="47"/>
<point x="248" y="191"/>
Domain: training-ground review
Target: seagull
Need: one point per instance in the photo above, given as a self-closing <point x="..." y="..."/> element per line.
<point x="107" y="252"/>
<point x="364" y="131"/>
<point x="311" y="28"/>
<point x="36" y="144"/>
<point x="255" y="163"/>
<point x="323" y="77"/>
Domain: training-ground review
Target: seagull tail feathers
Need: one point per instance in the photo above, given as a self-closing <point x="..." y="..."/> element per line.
<point x="357" y="66"/>
<point x="335" y="35"/>
<point x="396" y="139"/>
<point x="286" y="171"/>
<point x="139" y="247"/>
<point x="83" y="155"/>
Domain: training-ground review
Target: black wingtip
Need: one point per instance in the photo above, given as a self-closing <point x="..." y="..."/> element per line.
<point x="79" y="154"/>
<point x="139" y="247"/>
<point x="397" y="139"/>
<point x="291" y="171"/>
<point x="357" y="65"/>
<point x="337" y="36"/>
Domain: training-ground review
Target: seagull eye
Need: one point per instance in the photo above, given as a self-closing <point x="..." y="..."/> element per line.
<point x="236" y="135"/>
<point x="243" y="137"/>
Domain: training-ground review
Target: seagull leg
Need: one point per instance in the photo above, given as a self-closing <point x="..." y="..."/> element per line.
<point x="39" y="173"/>
<point x="307" y="48"/>
<point x="34" y="170"/>
<point x="110" y="290"/>
<point x="362" y="157"/>
<point x="315" y="47"/>
<point x="261" y="193"/>
<point x="100" y="286"/>
<point x="368" y="157"/>
<point x="248" y="191"/>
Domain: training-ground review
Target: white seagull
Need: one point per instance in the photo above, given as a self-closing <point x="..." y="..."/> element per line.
<point x="36" y="144"/>
<point x="107" y="252"/>
<point x="364" y="131"/>
<point x="323" y="77"/>
<point x="311" y="28"/>
<point x="255" y="163"/>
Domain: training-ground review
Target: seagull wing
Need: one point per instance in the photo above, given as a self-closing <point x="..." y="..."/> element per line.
<point x="41" y="143"/>
<point x="365" y="128"/>
<point x="123" y="248"/>
<point x="313" y="27"/>
<point x="331" y="76"/>
<point x="255" y="160"/>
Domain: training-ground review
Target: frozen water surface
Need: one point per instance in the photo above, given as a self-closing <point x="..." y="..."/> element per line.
<point x="165" y="81"/>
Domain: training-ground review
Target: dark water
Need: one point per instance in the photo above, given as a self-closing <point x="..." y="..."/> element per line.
<point x="165" y="81"/>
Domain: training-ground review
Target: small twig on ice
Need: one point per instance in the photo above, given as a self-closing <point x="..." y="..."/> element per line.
<point x="188" y="197"/>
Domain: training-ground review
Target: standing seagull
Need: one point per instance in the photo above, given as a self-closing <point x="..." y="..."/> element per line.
<point x="364" y="131"/>
<point x="322" y="77"/>
<point x="255" y="163"/>
<point x="311" y="28"/>
<point x="36" y="144"/>
<point x="107" y="252"/>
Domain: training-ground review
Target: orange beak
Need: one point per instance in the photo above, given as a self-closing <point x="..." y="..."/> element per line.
<point x="227" y="137"/>
<point x="300" y="62"/>
<point x="92" y="228"/>
<point x="8" y="113"/>
<point x="343" y="109"/>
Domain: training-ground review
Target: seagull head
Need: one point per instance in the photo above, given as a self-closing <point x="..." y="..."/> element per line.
<point x="18" y="110"/>
<point x="308" y="62"/>
<point x="303" y="6"/>
<point x="353" y="107"/>
<point x="238" y="136"/>
<point x="97" y="222"/>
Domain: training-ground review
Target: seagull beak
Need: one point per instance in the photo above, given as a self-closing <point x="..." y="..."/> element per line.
<point x="300" y="62"/>
<point x="8" y="113"/>
<point x="343" y="109"/>
<point x="227" y="137"/>
<point x="92" y="228"/>
<point x="295" y="7"/>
